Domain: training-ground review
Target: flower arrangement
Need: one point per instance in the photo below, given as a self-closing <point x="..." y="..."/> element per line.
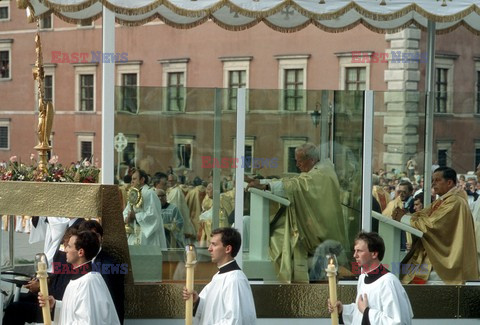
<point x="81" y="172"/>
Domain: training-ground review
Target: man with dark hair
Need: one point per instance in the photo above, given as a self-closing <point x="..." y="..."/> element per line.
<point x="381" y="299"/>
<point x="228" y="298"/>
<point x="145" y="216"/>
<point x="113" y="273"/>
<point x="447" y="250"/>
<point x="86" y="299"/>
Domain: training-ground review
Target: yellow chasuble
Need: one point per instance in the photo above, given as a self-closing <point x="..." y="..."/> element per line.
<point x="194" y="200"/>
<point x="448" y="243"/>
<point x="314" y="215"/>
<point x="381" y="196"/>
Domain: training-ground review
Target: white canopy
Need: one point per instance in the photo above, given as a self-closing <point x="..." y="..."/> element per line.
<point x="281" y="15"/>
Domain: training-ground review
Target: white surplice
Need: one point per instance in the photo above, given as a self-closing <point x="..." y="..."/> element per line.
<point x="149" y="217"/>
<point x="52" y="232"/>
<point x="387" y="300"/>
<point x="226" y="300"/>
<point x="86" y="301"/>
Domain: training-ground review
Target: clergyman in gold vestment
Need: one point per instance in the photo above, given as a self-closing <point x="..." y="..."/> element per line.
<point x="448" y="244"/>
<point x="314" y="214"/>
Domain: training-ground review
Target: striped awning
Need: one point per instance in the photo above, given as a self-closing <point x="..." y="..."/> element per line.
<point x="282" y="15"/>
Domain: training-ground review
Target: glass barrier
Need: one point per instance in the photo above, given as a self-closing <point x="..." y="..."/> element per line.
<point x="186" y="138"/>
<point x="191" y="132"/>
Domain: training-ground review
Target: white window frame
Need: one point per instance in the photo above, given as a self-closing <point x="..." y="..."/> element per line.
<point x="183" y="139"/>
<point x="6" y="45"/>
<point x="129" y="67"/>
<point x="83" y="69"/>
<point x="345" y="61"/>
<point x="249" y="141"/>
<point x="6" y="4"/>
<point x="240" y="63"/>
<point x="290" y="62"/>
<point x="41" y="22"/>
<point x="446" y="63"/>
<point x="174" y="66"/>
<point x="6" y="123"/>
<point x="445" y="145"/>
<point x="477" y="147"/>
<point x="49" y="70"/>
<point x="291" y="142"/>
<point x="85" y="137"/>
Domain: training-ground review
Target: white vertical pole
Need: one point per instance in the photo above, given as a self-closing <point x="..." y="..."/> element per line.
<point x="240" y="170"/>
<point x="430" y="100"/>
<point x="108" y="96"/>
<point x="367" y="161"/>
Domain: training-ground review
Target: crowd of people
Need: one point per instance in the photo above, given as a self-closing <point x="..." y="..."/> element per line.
<point x="163" y="211"/>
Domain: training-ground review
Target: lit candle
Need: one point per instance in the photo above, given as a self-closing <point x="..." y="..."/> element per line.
<point x="189" y="265"/>
<point x="332" y="288"/>
<point x="42" y="278"/>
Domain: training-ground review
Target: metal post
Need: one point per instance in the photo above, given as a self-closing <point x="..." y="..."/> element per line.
<point x="217" y="142"/>
<point x="240" y="171"/>
<point x="108" y="95"/>
<point x="367" y="161"/>
<point x="429" y="108"/>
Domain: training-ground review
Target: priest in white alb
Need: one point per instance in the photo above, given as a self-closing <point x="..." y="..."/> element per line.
<point x="146" y="219"/>
<point x="228" y="298"/>
<point x="86" y="299"/>
<point x="381" y="299"/>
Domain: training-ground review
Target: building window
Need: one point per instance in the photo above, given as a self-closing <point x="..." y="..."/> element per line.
<point x="236" y="80"/>
<point x="294" y="90"/>
<point x="235" y="76"/>
<point x="129" y="92"/>
<point x="293" y="82"/>
<point x="5" y="64"/>
<point x="356" y="78"/>
<point x="86" y="150"/>
<point x="174" y="79"/>
<point x="48" y="86"/>
<point x="46" y="22"/>
<point x="4" y="135"/>
<point x="176" y="91"/>
<point x="85" y="94"/>
<point x="184" y="151"/>
<point x="443" y="93"/>
<point x="441" y="84"/>
<point x="289" y="146"/>
<point x="86" y="23"/>
<point x="85" y="146"/>
<point x="128" y="77"/>
<point x="354" y="72"/>
<point x="477" y="157"/>
<point x="444" y="153"/>
<point x="248" y="160"/>
<point x="4" y="10"/>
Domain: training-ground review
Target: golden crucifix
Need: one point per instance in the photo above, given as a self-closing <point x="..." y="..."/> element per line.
<point x="45" y="109"/>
